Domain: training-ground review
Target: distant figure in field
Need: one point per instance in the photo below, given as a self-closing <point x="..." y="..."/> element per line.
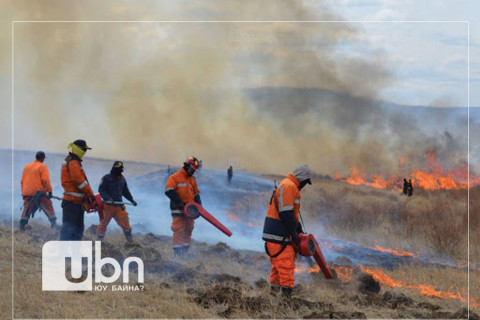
<point x="230" y="174"/>
<point x="36" y="191"/>
<point x="405" y="186"/>
<point x="410" y="188"/>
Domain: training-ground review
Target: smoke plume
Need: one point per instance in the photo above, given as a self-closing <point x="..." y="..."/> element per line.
<point x="261" y="96"/>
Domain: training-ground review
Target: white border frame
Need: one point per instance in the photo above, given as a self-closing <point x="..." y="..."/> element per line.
<point x="247" y="21"/>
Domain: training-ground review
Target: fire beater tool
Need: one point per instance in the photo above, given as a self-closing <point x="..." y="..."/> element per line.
<point x="118" y="202"/>
<point x="91" y="206"/>
<point x="193" y="210"/>
<point x="308" y="247"/>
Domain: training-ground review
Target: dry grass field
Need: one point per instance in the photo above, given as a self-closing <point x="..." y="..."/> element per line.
<point x="215" y="281"/>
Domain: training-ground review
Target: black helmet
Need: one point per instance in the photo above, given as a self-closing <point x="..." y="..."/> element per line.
<point x="40" y="155"/>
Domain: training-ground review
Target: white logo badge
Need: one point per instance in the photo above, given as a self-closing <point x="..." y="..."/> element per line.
<point x="67" y="266"/>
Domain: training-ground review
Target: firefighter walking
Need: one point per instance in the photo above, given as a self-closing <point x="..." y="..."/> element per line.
<point x="281" y="228"/>
<point x="76" y="191"/>
<point x="181" y="187"/>
<point x="36" y="191"/>
<point x="112" y="187"/>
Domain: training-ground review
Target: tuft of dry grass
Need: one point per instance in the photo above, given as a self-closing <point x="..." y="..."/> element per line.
<point x="213" y="282"/>
<point x="6" y="273"/>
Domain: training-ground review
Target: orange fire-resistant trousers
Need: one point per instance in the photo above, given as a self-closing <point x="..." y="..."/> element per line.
<point x="283" y="265"/>
<point x="118" y="213"/>
<point x="45" y="206"/>
<point x="182" y="231"/>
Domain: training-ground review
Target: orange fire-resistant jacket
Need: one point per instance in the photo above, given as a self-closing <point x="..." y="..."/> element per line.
<point x="74" y="180"/>
<point x="285" y="202"/>
<point x="185" y="186"/>
<point x="35" y="177"/>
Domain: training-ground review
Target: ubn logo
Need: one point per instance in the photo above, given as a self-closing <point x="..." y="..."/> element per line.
<point x="57" y="254"/>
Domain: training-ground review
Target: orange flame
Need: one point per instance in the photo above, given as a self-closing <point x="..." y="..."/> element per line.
<point x="237" y="219"/>
<point x="396" y="252"/>
<point x="233" y="217"/>
<point x="344" y="273"/>
<point x="423" y="289"/>
<point x="434" y="178"/>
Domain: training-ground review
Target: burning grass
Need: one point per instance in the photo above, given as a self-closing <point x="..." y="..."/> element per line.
<point x="218" y="282"/>
<point x="432" y="222"/>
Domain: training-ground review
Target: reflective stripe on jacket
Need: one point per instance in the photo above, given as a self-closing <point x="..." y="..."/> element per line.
<point x="287" y="199"/>
<point x="74" y="180"/>
<point x="35" y="177"/>
<point x="185" y="186"/>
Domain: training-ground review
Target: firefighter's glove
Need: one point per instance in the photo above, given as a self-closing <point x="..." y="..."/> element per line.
<point x="91" y="200"/>
<point x="181" y="206"/>
<point x="134" y="203"/>
<point x="295" y="239"/>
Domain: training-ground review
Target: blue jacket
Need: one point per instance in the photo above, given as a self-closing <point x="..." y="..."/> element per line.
<point x="112" y="189"/>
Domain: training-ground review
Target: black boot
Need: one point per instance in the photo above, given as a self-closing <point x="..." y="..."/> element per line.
<point x="23" y="223"/>
<point x="128" y="235"/>
<point x="274" y="290"/>
<point x="100" y="236"/>
<point x="287" y="292"/>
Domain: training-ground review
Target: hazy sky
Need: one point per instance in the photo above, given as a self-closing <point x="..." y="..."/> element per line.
<point x="429" y="58"/>
<point x="158" y="92"/>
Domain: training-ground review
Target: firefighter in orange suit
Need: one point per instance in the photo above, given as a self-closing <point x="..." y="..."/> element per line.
<point x="181" y="187"/>
<point x="76" y="191"/>
<point x="36" y="191"/>
<point x="113" y="187"/>
<point x="281" y="228"/>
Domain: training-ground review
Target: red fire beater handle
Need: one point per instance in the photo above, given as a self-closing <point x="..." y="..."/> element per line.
<point x="318" y="255"/>
<point x="193" y="210"/>
<point x="308" y="247"/>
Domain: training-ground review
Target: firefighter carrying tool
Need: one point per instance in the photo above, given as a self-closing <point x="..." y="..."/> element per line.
<point x="281" y="229"/>
<point x="181" y="188"/>
<point x="77" y="192"/>
<point x="36" y="191"/>
<point x="112" y="187"/>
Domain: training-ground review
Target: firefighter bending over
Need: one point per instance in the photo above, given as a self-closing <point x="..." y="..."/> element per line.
<point x="281" y="229"/>
<point x="112" y="187"/>
<point x="36" y="191"/>
<point x="181" y="187"/>
<point x="76" y="191"/>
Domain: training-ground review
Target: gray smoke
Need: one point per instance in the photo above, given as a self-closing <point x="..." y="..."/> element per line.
<point x="261" y="96"/>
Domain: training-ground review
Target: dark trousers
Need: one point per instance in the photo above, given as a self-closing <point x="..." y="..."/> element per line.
<point x="73" y="226"/>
